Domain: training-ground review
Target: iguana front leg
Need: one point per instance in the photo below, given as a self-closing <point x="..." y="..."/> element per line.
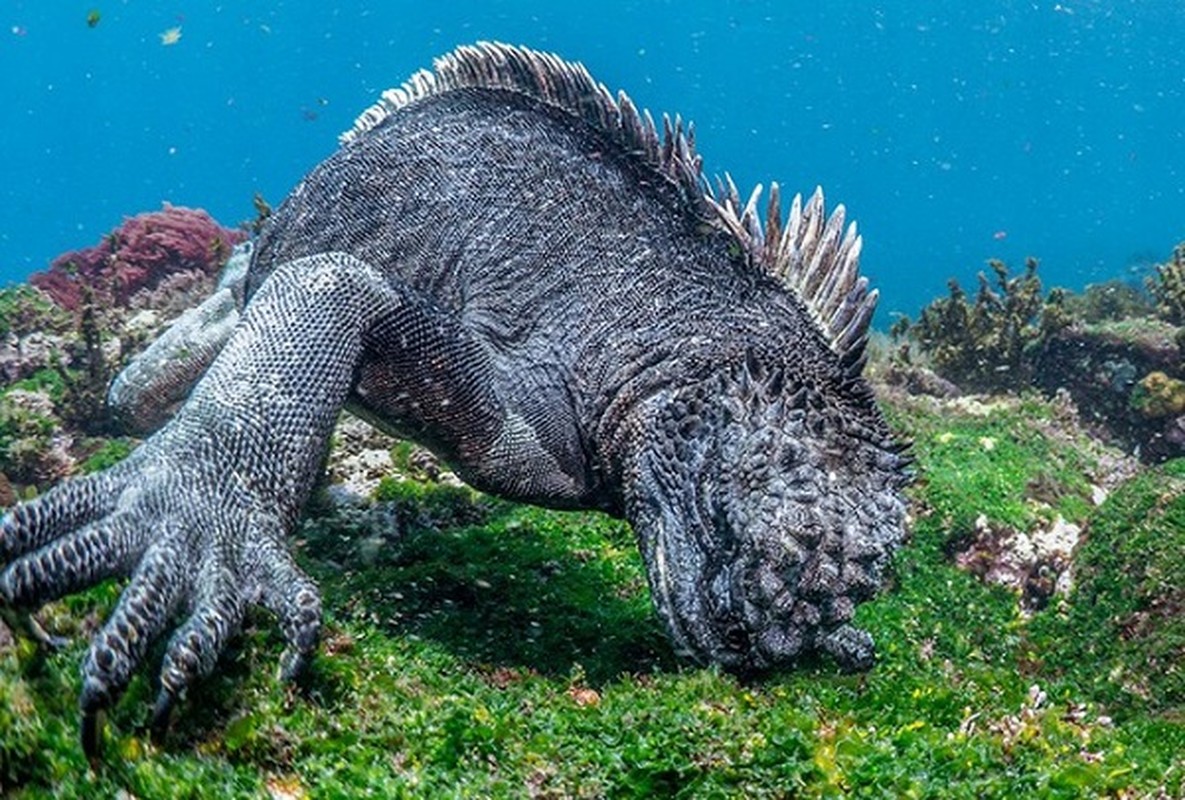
<point x="157" y="381"/>
<point x="197" y="515"/>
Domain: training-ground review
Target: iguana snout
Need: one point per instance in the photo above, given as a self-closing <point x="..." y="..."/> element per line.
<point x="764" y="517"/>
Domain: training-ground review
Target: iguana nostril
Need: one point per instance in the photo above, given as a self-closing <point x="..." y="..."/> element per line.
<point x="736" y="638"/>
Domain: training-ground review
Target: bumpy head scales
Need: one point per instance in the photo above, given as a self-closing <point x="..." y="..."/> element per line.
<point x="765" y="514"/>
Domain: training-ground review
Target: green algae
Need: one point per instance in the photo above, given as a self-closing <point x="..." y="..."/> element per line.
<point x="25" y="310"/>
<point x="485" y="649"/>
<point x="1127" y="615"/>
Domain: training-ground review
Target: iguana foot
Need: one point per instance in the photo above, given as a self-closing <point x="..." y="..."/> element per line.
<point x="191" y="552"/>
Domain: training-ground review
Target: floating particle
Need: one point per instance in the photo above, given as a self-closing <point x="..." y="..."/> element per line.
<point x="171" y="36"/>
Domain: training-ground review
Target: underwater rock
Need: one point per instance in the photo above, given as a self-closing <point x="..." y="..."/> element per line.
<point x="1098" y="346"/>
<point x="34" y="446"/>
<point x="1102" y="367"/>
<point x="917" y="380"/>
<point x="175" y="293"/>
<point x="357" y="476"/>
<point x="21" y="356"/>
<point x="359" y="458"/>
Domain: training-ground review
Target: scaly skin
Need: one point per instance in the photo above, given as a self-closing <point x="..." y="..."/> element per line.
<point x="507" y="265"/>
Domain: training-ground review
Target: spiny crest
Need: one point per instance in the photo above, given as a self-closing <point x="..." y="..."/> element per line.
<point x="811" y="255"/>
<point x="563" y="84"/>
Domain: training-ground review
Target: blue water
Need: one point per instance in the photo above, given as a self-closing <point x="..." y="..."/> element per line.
<point x="954" y="132"/>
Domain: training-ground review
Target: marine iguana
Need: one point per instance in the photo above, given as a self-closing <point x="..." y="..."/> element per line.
<point x="510" y="265"/>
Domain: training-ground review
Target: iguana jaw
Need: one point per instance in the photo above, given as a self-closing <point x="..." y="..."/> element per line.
<point x="671" y="496"/>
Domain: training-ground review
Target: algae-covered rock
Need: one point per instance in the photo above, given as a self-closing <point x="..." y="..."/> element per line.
<point x="1103" y="365"/>
<point x="984" y="344"/>
<point x="34" y="446"/>
<point x="1122" y="634"/>
<point x="1098" y="346"/>
<point x="1168" y="287"/>
<point x="140" y="254"/>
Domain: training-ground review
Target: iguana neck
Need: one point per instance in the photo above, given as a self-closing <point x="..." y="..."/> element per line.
<point x="624" y="410"/>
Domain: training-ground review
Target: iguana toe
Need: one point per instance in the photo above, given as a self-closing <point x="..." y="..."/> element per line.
<point x="194" y="649"/>
<point x="62" y="509"/>
<point x="71" y="562"/>
<point x="293" y="597"/>
<point x="139" y="618"/>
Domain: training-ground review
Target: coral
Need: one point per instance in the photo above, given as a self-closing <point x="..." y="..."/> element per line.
<point x="1158" y="395"/>
<point x="986" y="345"/>
<point x="1168" y="287"/>
<point x="138" y="255"/>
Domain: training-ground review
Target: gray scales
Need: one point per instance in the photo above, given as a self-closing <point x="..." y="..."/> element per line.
<point x="510" y="265"/>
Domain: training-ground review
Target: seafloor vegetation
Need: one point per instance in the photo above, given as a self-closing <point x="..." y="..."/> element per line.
<point x="1031" y="639"/>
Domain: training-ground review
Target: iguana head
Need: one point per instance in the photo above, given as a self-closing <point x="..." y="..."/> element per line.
<point x="765" y="511"/>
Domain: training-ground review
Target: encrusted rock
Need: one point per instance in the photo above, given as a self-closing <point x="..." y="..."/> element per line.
<point x="33" y="402"/>
<point x="360" y="458"/>
<point x="917" y="380"/>
<point x="40" y="450"/>
<point x="1036" y="564"/>
<point x="1125" y="379"/>
<point x="21" y="356"/>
